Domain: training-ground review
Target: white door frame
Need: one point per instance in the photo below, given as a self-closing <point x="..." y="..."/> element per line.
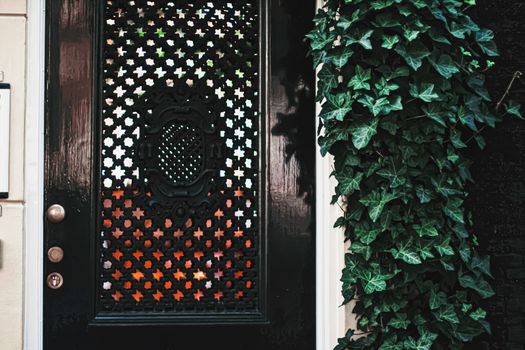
<point x="329" y="242"/>
<point x="34" y="175"/>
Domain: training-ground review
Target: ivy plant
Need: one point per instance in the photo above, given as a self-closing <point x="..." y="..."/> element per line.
<point x="403" y="95"/>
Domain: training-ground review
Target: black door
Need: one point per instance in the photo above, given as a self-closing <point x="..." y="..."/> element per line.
<point x="180" y="146"/>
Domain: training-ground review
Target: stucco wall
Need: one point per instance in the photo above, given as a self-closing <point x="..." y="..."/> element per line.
<point x="12" y="63"/>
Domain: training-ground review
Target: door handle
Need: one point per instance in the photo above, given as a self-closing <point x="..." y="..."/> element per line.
<point x="56" y="214"/>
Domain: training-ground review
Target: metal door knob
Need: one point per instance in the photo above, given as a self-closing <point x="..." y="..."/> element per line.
<point x="55" y="254"/>
<point x="56" y="214"/>
<point x="55" y="280"/>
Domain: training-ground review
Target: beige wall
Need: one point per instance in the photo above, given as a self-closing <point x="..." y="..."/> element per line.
<point x="12" y="63"/>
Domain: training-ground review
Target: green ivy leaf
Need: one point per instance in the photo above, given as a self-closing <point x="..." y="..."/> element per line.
<point x="424" y="195"/>
<point x="342" y="59"/>
<point x="425" y="92"/>
<point x="478" y="284"/>
<point x="362" y="135"/>
<point x="513" y="108"/>
<point x="399" y="321"/>
<point x="360" y="78"/>
<point x="374" y="283"/>
<point x="484" y="38"/>
<point x="425" y="249"/>
<point x="381" y="4"/>
<point x="414" y="54"/>
<point x="384" y="87"/>
<point x="479" y="314"/>
<point x="444" y="248"/>
<point x="395" y="176"/>
<point x="437" y="299"/>
<point x="447" y="313"/>
<point x="376" y="106"/>
<point x="445" y="66"/>
<point x="407" y="253"/>
<point x="348" y="184"/>
<point x="385" y="20"/>
<point x="375" y="202"/>
<point x="392" y="344"/>
<point x="366" y="235"/>
<point x="361" y="39"/>
<point x="480" y="265"/>
<point x="337" y="107"/>
<point x="426" y="229"/>
<point x="389" y="41"/>
<point x="454" y="210"/>
<point x="320" y="39"/>
<point x="435" y="113"/>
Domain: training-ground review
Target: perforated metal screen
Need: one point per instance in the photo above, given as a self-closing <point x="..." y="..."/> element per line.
<point x="180" y="161"/>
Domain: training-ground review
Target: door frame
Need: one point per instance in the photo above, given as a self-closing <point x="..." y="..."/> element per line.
<point x="330" y="316"/>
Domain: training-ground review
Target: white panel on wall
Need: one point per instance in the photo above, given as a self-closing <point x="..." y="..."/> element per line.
<point x="5" y="109"/>
<point x="12" y="63"/>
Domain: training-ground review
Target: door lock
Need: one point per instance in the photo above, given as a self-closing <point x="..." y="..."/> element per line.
<point x="56" y="213"/>
<point x="55" y="280"/>
<point x="55" y="254"/>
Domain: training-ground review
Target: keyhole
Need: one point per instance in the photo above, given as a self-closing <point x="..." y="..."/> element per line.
<point x="55" y="280"/>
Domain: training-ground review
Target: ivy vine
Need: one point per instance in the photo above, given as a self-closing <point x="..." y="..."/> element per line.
<point x="403" y="94"/>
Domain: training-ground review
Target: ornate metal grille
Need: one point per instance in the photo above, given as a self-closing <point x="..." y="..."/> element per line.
<point x="181" y="152"/>
<point x="179" y="158"/>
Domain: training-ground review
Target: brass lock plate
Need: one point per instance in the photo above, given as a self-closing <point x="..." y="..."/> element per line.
<point x="55" y="280"/>
<point x="55" y="254"/>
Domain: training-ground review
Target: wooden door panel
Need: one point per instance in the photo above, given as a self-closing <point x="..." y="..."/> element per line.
<point x="180" y="141"/>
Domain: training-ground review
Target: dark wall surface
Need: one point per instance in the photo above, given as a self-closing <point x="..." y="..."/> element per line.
<point x="497" y="199"/>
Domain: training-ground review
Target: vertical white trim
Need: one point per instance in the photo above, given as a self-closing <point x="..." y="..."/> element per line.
<point x="34" y="175"/>
<point x="330" y="250"/>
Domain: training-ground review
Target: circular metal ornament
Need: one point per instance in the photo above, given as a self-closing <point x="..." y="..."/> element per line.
<point x="56" y="214"/>
<point x="55" y="254"/>
<point x="55" y="280"/>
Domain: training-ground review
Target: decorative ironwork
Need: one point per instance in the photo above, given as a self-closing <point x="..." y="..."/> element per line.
<point x="180" y="159"/>
<point x="180" y="152"/>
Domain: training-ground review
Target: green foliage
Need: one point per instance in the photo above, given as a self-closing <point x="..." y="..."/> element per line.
<point x="402" y="90"/>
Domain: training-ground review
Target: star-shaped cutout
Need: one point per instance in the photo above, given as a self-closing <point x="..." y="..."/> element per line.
<point x="158" y="233"/>
<point x="218" y="275"/>
<point x="137" y="296"/>
<point x="219" y="234"/>
<point x="199" y="275"/>
<point x="158" y="295"/>
<point x="157" y="275"/>
<point x="178" y="254"/>
<point x="117" y="254"/>
<point x="160" y="33"/>
<point x="198" y="234"/>
<point x="138" y="254"/>
<point x="179" y="275"/>
<point x="137" y="275"/>
<point x="117" y="296"/>
<point x="198" y="295"/>
<point x="218" y="296"/>
<point x="178" y="295"/>
<point x="238" y="193"/>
